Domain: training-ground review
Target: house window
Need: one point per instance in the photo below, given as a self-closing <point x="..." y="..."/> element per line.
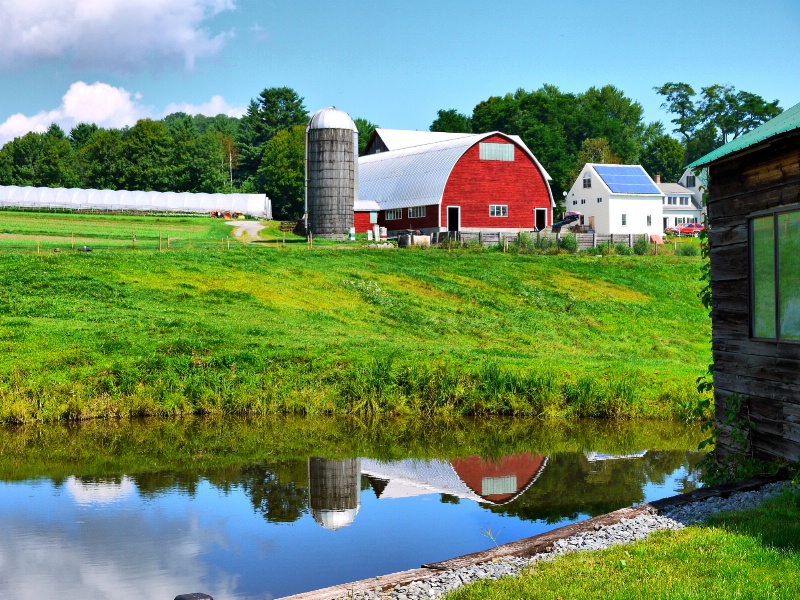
<point x="672" y="200"/>
<point x="649" y="221"/>
<point x="690" y="181"/>
<point x="489" y="151"/>
<point x="393" y="214"/>
<point x="684" y="202"/>
<point x="498" y="210"/>
<point x="574" y="202"/>
<point x="416" y="212"/>
<point x="624" y="220"/>
<point x="775" y="276"/>
<point x="587" y="180"/>
<point x="373" y="217"/>
<point x="583" y="201"/>
<point x="599" y="200"/>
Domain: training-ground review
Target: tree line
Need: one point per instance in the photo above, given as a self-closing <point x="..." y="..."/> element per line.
<point x="263" y="151"/>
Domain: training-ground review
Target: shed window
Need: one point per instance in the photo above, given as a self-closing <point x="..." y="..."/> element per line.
<point x="489" y="151"/>
<point x="416" y="212"/>
<point x="393" y="214"/>
<point x="775" y="276"/>
<point x="498" y="210"/>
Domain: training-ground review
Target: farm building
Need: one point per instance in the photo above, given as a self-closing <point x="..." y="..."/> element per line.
<point x="679" y="205"/>
<point x="255" y="205"/>
<point x="754" y="218"/>
<point x="615" y="199"/>
<point x="451" y="182"/>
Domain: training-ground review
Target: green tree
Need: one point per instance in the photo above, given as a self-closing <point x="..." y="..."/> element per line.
<point x="365" y="129"/>
<point x="593" y="150"/>
<point x="275" y="110"/>
<point x="197" y="161"/>
<point x="41" y="160"/>
<point x="101" y="159"/>
<point x="451" y="121"/>
<point x="282" y="172"/>
<point x="717" y="116"/>
<point x="662" y="154"/>
<point x="147" y="157"/>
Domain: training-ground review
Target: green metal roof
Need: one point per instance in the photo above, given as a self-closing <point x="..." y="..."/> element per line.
<point x="784" y="122"/>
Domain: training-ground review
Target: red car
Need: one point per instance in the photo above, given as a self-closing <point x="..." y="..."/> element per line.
<point x="692" y="229"/>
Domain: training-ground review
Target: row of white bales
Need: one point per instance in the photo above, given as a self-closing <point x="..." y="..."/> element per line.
<point x="254" y="205"/>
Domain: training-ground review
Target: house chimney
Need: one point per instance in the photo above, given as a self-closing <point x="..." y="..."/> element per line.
<point x="658" y="178"/>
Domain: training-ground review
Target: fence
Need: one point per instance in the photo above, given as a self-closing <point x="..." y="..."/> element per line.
<point x="539" y="238"/>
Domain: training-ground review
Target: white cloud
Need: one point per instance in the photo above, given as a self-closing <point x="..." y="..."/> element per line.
<point x="106" y="106"/>
<point x="216" y="106"/>
<point x="116" y="34"/>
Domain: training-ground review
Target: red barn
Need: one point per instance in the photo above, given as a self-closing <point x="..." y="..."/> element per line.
<point x="452" y="182"/>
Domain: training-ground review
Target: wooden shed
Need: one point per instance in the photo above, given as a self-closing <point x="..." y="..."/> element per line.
<point x="754" y="235"/>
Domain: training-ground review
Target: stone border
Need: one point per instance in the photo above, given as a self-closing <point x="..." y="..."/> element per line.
<point x="533" y="545"/>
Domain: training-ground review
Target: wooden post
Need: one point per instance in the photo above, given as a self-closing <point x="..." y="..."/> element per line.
<point x="133" y="240"/>
<point x="558" y="241"/>
<point x="228" y="239"/>
<point x="480" y="239"/>
<point x="656" y="248"/>
<point x="222" y="241"/>
<point x="37" y="247"/>
<point x="630" y="240"/>
<point x="159" y="241"/>
<point x="283" y="243"/>
<point x="168" y="240"/>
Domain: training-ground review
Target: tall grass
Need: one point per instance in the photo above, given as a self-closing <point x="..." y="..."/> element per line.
<point x="259" y="330"/>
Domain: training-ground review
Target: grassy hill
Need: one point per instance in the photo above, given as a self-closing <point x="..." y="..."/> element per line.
<point x="267" y="329"/>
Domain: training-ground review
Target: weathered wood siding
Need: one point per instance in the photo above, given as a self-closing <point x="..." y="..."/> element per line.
<point x="767" y="373"/>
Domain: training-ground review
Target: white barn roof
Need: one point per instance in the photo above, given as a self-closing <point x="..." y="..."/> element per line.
<point x="255" y="205"/>
<point x="417" y="175"/>
<point x="397" y="139"/>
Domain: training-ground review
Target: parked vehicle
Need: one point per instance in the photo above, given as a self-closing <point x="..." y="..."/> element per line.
<point x="671" y="230"/>
<point x="691" y="229"/>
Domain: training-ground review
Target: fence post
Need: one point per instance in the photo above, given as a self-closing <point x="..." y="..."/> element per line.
<point x="630" y="240"/>
<point x="594" y="240"/>
<point x="558" y="240"/>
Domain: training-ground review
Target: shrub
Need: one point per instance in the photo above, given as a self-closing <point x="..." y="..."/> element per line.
<point x="569" y="243"/>
<point x="623" y="249"/>
<point x="525" y="243"/>
<point x="543" y="242"/>
<point x="688" y="249"/>
<point x="641" y="246"/>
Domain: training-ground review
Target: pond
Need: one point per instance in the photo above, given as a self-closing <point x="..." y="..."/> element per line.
<point x="267" y="508"/>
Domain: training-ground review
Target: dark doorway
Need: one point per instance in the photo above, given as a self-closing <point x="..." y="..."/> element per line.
<point x="541" y="218"/>
<point x="453" y="218"/>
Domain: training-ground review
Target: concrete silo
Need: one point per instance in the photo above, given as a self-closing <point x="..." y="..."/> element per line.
<point x="334" y="491"/>
<point x="331" y="173"/>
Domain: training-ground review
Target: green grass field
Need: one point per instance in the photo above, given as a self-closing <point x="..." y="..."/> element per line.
<point x="747" y="554"/>
<point x="267" y="328"/>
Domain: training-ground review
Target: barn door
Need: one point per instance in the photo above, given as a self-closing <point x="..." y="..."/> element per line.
<point x="541" y="218"/>
<point x="453" y="218"/>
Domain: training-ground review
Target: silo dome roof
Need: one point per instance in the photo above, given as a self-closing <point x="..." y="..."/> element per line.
<point x="334" y="519"/>
<point x="331" y="118"/>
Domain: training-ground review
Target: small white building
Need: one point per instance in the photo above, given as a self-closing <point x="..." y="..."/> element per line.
<point x="617" y="199"/>
<point x="679" y="205"/>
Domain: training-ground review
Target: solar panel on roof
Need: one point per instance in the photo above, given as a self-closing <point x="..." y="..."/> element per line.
<point x="626" y="179"/>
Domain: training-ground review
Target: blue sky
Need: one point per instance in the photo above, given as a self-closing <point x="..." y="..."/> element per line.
<point x="394" y="63"/>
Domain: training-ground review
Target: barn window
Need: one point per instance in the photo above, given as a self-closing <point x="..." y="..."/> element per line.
<point x="775" y="276"/>
<point x="416" y="212"/>
<point x="587" y="180"/>
<point x="498" y="210"/>
<point x="489" y="151"/>
<point x="393" y="214"/>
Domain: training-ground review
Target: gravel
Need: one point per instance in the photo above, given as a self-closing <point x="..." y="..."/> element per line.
<point x="627" y="530"/>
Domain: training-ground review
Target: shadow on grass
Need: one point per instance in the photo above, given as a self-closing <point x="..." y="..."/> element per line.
<point x="776" y="522"/>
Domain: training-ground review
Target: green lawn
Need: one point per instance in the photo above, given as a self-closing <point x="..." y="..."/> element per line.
<point x="749" y="554"/>
<point x="266" y="328"/>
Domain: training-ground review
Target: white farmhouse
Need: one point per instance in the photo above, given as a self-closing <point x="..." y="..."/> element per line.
<point x="679" y="205"/>
<point x="617" y="199"/>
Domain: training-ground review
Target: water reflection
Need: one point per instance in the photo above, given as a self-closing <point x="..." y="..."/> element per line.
<point x="206" y="506"/>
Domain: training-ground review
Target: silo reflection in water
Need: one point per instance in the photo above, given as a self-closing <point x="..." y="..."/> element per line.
<point x="334" y="491"/>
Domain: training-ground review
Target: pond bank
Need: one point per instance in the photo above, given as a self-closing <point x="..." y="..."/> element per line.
<point x="621" y="526"/>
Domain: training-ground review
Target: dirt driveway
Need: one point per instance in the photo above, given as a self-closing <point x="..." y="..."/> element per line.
<point x="248" y="229"/>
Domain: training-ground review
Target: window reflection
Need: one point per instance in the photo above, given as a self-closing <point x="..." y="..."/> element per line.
<point x="789" y="284"/>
